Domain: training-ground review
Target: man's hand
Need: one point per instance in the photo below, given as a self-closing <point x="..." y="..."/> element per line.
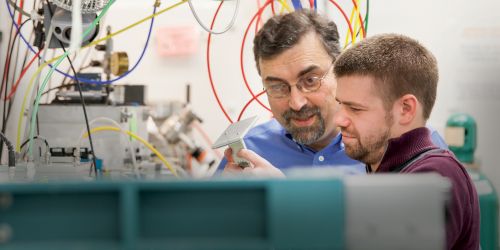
<point x="259" y="166"/>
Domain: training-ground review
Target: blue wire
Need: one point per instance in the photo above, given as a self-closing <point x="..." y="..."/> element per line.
<point x="85" y="79"/>
<point x="296" y="4"/>
<point x="316" y="5"/>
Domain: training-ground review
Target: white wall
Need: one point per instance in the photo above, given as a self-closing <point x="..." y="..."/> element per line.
<point x="464" y="36"/>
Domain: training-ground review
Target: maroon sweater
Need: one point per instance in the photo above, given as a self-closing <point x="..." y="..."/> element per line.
<point x="462" y="211"/>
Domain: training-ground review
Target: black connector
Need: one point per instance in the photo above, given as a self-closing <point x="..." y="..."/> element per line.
<point x="10" y="147"/>
<point x="39" y="36"/>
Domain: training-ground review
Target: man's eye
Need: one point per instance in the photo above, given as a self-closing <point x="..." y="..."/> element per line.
<point x="277" y="87"/>
<point x="310" y="81"/>
<point x="354" y="109"/>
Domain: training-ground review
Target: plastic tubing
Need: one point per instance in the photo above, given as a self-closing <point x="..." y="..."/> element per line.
<point x="357" y="21"/>
<point x="26" y="94"/>
<point x="345" y="17"/>
<point x="96" y="41"/>
<point x="259" y="12"/>
<point x="210" y="71"/>
<point x="211" y="31"/>
<point x="20" y="121"/>
<point x="359" y="18"/>
<point x="106" y="119"/>
<point x="348" y="33"/>
<point x="148" y="145"/>
<point x="248" y="104"/>
<point x="51" y="71"/>
<point x="23" y="72"/>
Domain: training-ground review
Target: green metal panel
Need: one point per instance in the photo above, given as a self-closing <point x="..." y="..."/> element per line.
<point x="224" y="214"/>
<point x="464" y="153"/>
<point x="488" y="204"/>
<point x="298" y="221"/>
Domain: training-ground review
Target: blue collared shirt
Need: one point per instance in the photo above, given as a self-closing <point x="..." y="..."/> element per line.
<point x="272" y="142"/>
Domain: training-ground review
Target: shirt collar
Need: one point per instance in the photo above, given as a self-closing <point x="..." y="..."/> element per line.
<point x="402" y="149"/>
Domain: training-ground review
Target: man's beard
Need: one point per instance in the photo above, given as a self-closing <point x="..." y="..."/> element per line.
<point x="373" y="148"/>
<point x="304" y="135"/>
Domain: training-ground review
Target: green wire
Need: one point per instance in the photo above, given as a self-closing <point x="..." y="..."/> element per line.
<point x="45" y="81"/>
<point x="366" y="16"/>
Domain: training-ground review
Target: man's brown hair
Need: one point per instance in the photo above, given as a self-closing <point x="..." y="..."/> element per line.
<point x="399" y="64"/>
<point x="282" y="32"/>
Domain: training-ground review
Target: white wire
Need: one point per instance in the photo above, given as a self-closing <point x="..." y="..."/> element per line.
<point x="116" y="124"/>
<point x="209" y="30"/>
<point x="76" y="27"/>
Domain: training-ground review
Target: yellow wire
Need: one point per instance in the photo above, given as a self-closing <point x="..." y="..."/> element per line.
<point x="355" y="27"/>
<point x="348" y="34"/>
<point x="135" y="24"/>
<point x="282" y="10"/>
<point x="358" y="18"/>
<point x="21" y="116"/>
<point x="285" y="5"/>
<point x="147" y="144"/>
<point x="354" y="18"/>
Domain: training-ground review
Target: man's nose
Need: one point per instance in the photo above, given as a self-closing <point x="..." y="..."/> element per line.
<point x="297" y="99"/>
<point x="341" y="119"/>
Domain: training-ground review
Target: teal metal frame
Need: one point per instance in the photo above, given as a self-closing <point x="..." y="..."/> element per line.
<point x="221" y="214"/>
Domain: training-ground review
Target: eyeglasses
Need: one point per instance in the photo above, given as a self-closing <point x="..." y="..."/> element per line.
<point x="305" y="84"/>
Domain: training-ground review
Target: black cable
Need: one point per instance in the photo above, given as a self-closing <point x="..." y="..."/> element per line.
<point x="35" y="137"/>
<point x="58" y="87"/>
<point x="12" y="99"/>
<point x="67" y="72"/>
<point x="5" y="80"/>
<point x="10" y="148"/>
<point x="13" y="74"/>
<point x="6" y="68"/>
<point x="81" y="98"/>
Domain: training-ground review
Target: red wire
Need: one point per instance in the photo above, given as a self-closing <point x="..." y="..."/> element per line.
<point x="259" y="20"/>
<point x="14" y="88"/>
<point x="360" y="19"/>
<point x="345" y="17"/>
<point x="210" y="70"/>
<point x="248" y="104"/>
<point x="21" y="5"/>
<point x="258" y="14"/>
<point x="311" y="4"/>
<point x="272" y="8"/>
<point x="241" y="54"/>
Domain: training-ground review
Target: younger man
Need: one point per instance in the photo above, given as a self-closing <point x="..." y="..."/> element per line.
<point x="386" y="88"/>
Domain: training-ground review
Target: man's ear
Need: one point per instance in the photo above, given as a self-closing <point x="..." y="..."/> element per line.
<point x="407" y="109"/>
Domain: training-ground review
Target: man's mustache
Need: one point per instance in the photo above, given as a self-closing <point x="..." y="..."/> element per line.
<point x="304" y="113"/>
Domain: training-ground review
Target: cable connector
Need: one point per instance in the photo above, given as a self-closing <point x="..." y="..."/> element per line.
<point x="157" y="3"/>
<point x="37" y="15"/>
<point x="39" y="36"/>
<point x="95" y="63"/>
<point x="10" y="148"/>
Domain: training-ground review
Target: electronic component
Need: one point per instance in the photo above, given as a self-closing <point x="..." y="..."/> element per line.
<point x="60" y="20"/>
<point x="119" y="63"/>
<point x="233" y="137"/>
